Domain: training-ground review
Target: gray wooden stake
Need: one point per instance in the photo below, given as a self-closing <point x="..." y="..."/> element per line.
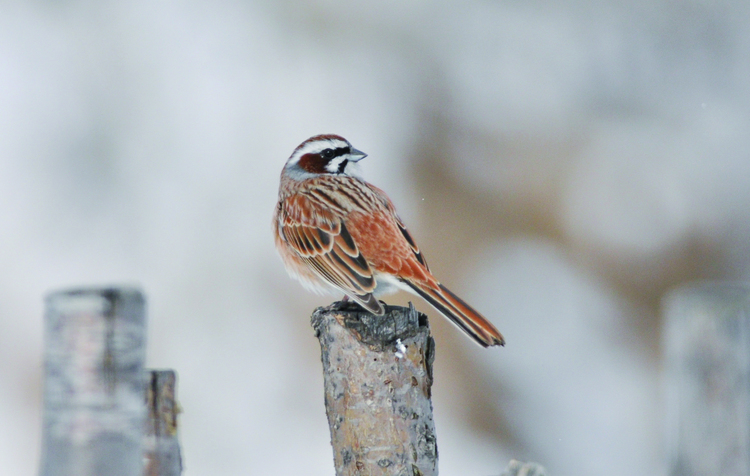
<point x="707" y="345"/>
<point x="520" y="468"/>
<point x="378" y="377"/>
<point x="161" y="446"/>
<point x="93" y="388"/>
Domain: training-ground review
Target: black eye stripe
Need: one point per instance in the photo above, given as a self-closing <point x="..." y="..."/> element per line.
<point x="330" y="154"/>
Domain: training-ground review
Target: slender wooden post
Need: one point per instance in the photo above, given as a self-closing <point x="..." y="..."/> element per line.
<point x="520" y="468"/>
<point x="161" y="446"/>
<point x="707" y="345"/>
<point x="93" y="388"/>
<point x="378" y="376"/>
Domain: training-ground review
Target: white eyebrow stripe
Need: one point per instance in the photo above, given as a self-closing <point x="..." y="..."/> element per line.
<point x="317" y="147"/>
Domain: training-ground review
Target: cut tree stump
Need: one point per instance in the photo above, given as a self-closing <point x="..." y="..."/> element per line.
<point x="378" y="377"/>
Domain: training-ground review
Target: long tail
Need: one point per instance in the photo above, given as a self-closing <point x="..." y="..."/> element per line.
<point x="460" y="314"/>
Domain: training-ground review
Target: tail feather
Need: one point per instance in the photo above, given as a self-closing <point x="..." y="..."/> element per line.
<point x="460" y="314"/>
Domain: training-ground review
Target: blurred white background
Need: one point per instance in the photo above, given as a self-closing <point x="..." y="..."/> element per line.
<point x="561" y="166"/>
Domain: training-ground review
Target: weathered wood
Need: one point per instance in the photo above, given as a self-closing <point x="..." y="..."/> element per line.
<point x="378" y="377"/>
<point x="93" y="388"/>
<point x="707" y="345"/>
<point x="519" y="468"/>
<point x="161" y="446"/>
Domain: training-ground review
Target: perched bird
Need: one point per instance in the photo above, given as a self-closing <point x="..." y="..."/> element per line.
<point x="336" y="232"/>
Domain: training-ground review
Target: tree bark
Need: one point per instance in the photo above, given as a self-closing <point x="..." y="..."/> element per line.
<point x="378" y="377"/>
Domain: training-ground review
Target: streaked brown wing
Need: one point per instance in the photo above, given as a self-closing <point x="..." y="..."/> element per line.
<point x="334" y="255"/>
<point x="392" y="216"/>
<point x="417" y="254"/>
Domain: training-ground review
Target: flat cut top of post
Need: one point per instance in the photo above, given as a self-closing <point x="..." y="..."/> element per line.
<point x="103" y="301"/>
<point x="377" y="332"/>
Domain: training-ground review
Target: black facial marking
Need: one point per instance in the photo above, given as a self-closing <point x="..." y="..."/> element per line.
<point x="342" y="166"/>
<point x="318" y="162"/>
<point x="330" y="154"/>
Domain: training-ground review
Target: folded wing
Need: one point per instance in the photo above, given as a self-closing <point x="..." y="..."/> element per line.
<point x="330" y="250"/>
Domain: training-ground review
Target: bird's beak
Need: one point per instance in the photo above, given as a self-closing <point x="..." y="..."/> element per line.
<point x="356" y="155"/>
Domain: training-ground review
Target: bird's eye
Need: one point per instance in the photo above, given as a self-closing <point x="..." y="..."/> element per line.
<point x="327" y="154"/>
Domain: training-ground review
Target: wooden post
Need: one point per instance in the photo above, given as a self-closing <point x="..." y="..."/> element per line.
<point x="520" y="468"/>
<point x="707" y="346"/>
<point x="93" y="388"/>
<point x="161" y="446"/>
<point x="378" y="375"/>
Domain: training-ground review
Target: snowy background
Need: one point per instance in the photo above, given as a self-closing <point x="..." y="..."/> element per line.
<point x="561" y="166"/>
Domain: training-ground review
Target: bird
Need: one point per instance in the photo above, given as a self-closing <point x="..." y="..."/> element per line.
<point x="336" y="232"/>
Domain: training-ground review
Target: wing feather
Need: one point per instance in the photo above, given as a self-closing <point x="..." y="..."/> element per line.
<point x="415" y="249"/>
<point x="331" y="251"/>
